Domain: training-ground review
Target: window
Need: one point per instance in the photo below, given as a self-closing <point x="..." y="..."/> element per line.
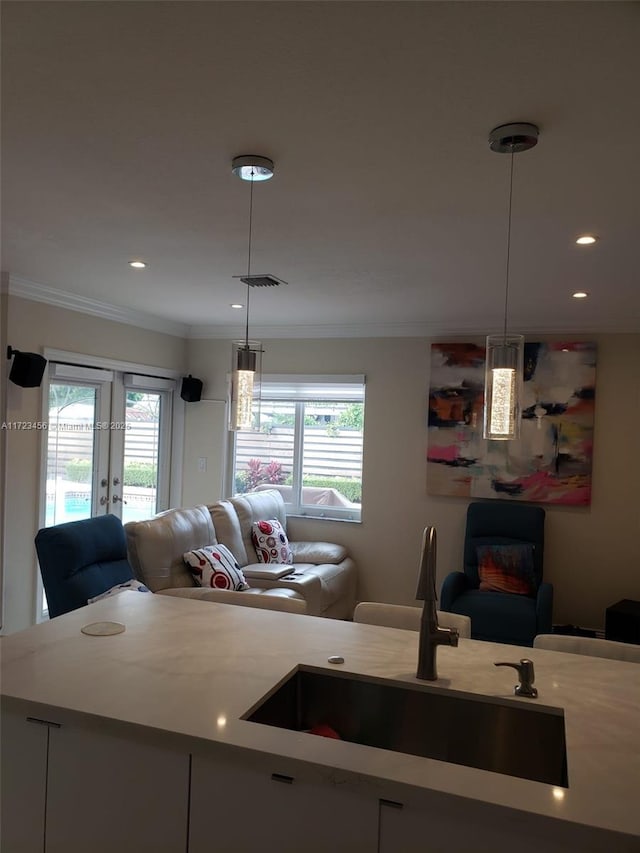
<point x="306" y="442"/>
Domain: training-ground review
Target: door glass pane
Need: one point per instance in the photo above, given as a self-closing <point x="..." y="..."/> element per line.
<point x="265" y="457"/>
<point x="71" y="452"/>
<point x="332" y="454"/>
<point x="143" y="413"/>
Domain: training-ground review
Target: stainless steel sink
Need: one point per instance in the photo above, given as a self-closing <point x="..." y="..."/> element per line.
<point x="504" y="736"/>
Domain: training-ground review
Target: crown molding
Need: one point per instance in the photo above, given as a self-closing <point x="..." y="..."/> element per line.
<point x="407" y="330"/>
<point x="74" y="302"/>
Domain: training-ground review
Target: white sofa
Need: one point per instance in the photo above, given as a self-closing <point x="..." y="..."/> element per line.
<point x="322" y="581"/>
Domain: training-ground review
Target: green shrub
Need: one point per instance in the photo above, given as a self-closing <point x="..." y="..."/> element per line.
<point x="79" y="470"/>
<point x="143" y="474"/>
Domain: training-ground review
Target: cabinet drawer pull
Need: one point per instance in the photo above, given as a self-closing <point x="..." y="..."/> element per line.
<point x="280" y="777"/>
<point x="43" y="722"/>
<point x="392" y="804"/>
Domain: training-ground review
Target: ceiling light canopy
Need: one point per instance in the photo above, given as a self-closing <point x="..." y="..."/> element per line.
<point x="586" y="240"/>
<point x="504" y="366"/>
<point x="580" y="294"/>
<point x="137" y="265"/>
<point x="251" y="167"/>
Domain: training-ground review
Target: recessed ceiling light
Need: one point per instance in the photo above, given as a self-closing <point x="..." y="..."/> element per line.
<point x="137" y="265"/>
<point x="580" y="294"/>
<point x="586" y="239"/>
<point x="236" y="305"/>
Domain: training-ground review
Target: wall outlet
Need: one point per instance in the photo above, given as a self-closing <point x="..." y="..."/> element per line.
<point x="202" y="463"/>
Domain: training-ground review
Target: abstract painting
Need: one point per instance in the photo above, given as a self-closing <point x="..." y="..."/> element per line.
<point x="550" y="462"/>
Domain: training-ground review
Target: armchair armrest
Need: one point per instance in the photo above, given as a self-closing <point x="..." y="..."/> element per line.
<point x="453" y="585"/>
<point x="544" y="608"/>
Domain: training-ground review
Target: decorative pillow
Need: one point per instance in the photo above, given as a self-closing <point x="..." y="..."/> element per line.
<point x="270" y="541"/>
<point x="507" y="568"/>
<point x="134" y="585"/>
<point x="216" y="567"/>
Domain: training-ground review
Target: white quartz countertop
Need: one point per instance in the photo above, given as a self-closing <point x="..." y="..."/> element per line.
<point x="195" y="668"/>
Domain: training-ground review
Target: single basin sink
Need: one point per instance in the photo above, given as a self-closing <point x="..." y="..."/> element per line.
<point x="504" y="736"/>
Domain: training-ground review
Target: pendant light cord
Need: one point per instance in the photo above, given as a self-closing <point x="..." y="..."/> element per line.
<point x="246" y="332"/>
<point x="506" y="288"/>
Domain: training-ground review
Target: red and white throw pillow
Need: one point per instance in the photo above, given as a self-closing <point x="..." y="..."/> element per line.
<point x="215" y="566"/>
<point x="270" y="542"/>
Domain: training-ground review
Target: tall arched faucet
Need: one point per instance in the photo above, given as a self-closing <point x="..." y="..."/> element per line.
<point x="431" y="635"/>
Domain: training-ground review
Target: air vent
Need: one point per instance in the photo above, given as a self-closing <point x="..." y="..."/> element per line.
<point x="261" y="280"/>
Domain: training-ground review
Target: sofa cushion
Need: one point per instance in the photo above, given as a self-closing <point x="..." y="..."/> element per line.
<point x="507" y="568"/>
<point x="286" y="600"/>
<point x="270" y="542"/>
<point x="255" y="506"/>
<point x="215" y="566"/>
<point x="156" y="546"/>
<point x="227" y="526"/>
<point x="516" y="615"/>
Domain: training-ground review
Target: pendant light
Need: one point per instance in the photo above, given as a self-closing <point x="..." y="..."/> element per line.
<point x="244" y="391"/>
<point x="504" y="366"/>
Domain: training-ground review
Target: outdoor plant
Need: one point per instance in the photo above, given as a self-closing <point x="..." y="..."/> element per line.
<point x="257" y="472"/>
<point x="143" y="474"/>
<point x="79" y="470"/>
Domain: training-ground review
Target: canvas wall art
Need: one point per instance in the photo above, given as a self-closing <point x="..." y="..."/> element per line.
<point x="551" y="461"/>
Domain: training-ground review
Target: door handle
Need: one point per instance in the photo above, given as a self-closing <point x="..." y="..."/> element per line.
<point x="116" y="498"/>
<point x="104" y="501"/>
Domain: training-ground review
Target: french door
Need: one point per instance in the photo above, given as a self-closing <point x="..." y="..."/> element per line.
<point x="108" y="444"/>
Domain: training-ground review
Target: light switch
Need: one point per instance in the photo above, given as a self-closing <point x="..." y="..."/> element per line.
<point x="202" y="463"/>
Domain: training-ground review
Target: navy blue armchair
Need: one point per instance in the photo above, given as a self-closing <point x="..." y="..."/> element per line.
<point x="81" y="559"/>
<point x="501" y="617"/>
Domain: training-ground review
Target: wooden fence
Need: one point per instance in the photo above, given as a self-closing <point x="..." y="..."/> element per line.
<point x="141" y="445"/>
<point x="325" y="454"/>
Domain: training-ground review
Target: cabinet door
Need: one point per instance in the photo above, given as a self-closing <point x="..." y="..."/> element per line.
<point x="237" y="807"/>
<point x="431" y="822"/>
<point x="107" y="793"/>
<point x="24" y="783"/>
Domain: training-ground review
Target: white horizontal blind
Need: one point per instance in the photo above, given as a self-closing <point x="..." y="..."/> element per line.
<point x="79" y="373"/>
<point x="299" y="388"/>
<point x="147" y="383"/>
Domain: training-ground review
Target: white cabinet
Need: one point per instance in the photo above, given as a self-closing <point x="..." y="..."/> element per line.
<point x="23" y="778"/>
<point x="108" y="793"/>
<point x="430" y="822"/>
<point x="72" y="788"/>
<point x="237" y="806"/>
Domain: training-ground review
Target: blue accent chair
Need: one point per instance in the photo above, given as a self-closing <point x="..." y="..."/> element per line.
<point x="81" y="559"/>
<point x="498" y="616"/>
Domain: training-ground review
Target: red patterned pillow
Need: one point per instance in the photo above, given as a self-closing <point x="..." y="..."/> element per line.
<point x="215" y="566"/>
<point x="507" y="568"/>
<point x="270" y="542"/>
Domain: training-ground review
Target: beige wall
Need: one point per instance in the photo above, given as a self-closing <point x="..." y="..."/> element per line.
<point x="591" y="555"/>
<point x="31" y="327"/>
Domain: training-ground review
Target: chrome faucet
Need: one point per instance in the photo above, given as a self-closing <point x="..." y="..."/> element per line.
<point x="431" y="635"/>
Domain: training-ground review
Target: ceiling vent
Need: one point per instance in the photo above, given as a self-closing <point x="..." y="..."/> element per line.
<point x="261" y="280"/>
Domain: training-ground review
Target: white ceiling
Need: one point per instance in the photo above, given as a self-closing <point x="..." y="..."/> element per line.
<point x="388" y="211"/>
